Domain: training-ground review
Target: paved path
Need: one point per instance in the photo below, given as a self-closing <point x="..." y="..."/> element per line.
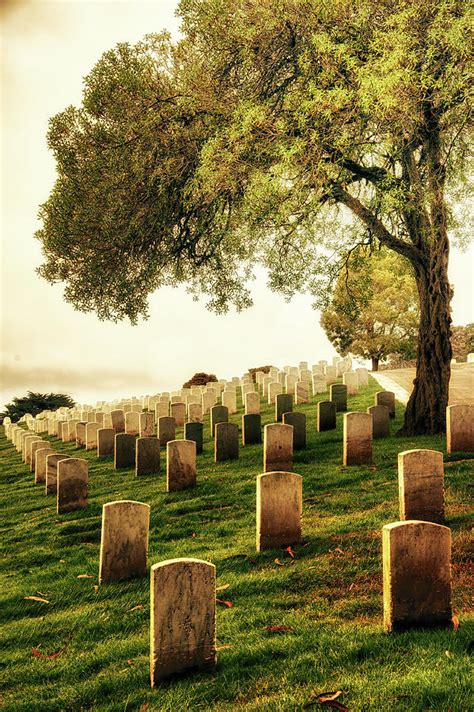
<point x="400" y="381"/>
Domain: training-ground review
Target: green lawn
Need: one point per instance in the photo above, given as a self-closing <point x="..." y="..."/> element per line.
<point x="328" y="598"/>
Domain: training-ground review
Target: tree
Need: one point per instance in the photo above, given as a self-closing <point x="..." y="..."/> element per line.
<point x="374" y="307"/>
<point x="35" y="403"/>
<point x="462" y="341"/>
<point x="277" y="132"/>
<point x="200" y="379"/>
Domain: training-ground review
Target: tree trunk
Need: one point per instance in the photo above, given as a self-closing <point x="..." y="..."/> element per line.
<point x="375" y="363"/>
<point x="426" y="409"/>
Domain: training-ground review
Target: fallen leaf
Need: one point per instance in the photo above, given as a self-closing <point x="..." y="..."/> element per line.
<point x="40" y="593"/>
<point x="135" y="608"/>
<point x="455" y="621"/>
<point x="193" y="535"/>
<point x="329" y="696"/>
<point x="61" y="561"/>
<point x="448" y="654"/>
<point x="35" y="598"/>
<point x="223" y="647"/>
<point x="278" y="628"/>
<point x="130" y="662"/>
<point x="223" y="587"/>
<point x="229" y="604"/>
<point x="339" y="551"/>
<point x="38" y="654"/>
<point x="278" y="562"/>
<point x="290" y="551"/>
<point x="85" y="576"/>
<point x="95" y="589"/>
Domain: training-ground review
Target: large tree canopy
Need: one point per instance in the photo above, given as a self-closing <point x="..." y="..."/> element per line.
<point x="278" y="132"/>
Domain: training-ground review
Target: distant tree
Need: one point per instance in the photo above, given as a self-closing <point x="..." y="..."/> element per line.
<point x="253" y="371"/>
<point x="35" y="403"/>
<point x="462" y="341"/>
<point x="374" y="310"/>
<point x="200" y="379"/>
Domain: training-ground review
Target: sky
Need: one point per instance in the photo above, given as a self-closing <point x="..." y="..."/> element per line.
<point x="46" y="50"/>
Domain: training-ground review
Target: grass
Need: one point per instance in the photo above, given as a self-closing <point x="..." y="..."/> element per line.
<point x="329" y="597"/>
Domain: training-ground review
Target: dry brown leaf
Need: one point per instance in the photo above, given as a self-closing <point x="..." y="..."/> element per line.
<point x="40" y="593"/>
<point x="329" y="696"/>
<point x="455" y="621"/>
<point x="35" y="598"/>
<point x="224" y="647"/>
<point x="38" y="654"/>
<point x="85" y="576"/>
<point x="135" y="608"/>
<point x="278" y="562"/>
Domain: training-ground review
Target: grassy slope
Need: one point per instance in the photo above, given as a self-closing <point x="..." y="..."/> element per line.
<point x="330" y="595"/>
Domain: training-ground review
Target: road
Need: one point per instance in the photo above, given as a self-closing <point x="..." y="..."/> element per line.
<point x="400" y="381"/>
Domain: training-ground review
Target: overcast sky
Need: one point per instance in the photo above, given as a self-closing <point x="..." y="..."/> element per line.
<point x="47" y="48"/>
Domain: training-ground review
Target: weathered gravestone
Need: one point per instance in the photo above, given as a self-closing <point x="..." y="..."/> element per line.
<point x="421" y="485"/>
<point x="124" y="540"/>
<point x="357" y="439"/>
<point x="251" y="428"/>
<point x="63" y="428"/>
<point x="386" y="398"/>
<point x="180" y="465"/>
<point x="298" y="421"/>
<point x="81" y="434"/>
<point x="460" y="428"/>
<point x="283" y="404"/>
<point x="351" y="380"/>
<point x="290" y="383"/>
<point x="319" y="385"/>
<point x="338" y="395"/>
<point x="279" y="507"/>
<point x="362" y="377"/>
<point x="226" y="442"/>
<point x="40" y="462"/>
<point x="118" y="420"/>
<point x="166" y="430"/>
<point x="219" y="414"/>
<point x="273" y="389"/>
<point x="195" y="413"/>
<point x="380" y="421"/>
<point x="71" y="484"/>
<point x="178" y="412"/>
<point x="146" y="425"/>
<point x="99" y="419"/>
<point x="330" y="373"/>
<point x="132" y="423"/>
<point x="34" y="446"/>
<point x="71" y="430"/>
<point x="229" y="400"/>
<point x="252" y="403"/>
<point x="28" y="441"/>
<point x="416" y="575"/>
<point x="301" y="392"/>
<point x="162" y="410"/>
<point x="277" y="448"/>
<point x="51" y="482"/>
<point x="194" y="431"/>
<point x="91" y="435"/>
<point x="105" y="442"/>
<point x="325" y="416"/>
<point x="147" y="456"/>
<point x="124" y="450"/>
<point x="182" y="617"/>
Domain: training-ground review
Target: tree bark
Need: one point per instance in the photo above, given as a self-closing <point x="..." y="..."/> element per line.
<point x="426" y="409"/>
<point x="375" y="363"/>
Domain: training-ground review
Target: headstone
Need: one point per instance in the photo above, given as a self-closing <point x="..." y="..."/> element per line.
<point x="182" y="617"/>
<point x="146" y="425"/>
<point x="53" y="427"/>
<point x="283" y="404"/>
<point x="362" y="377"/>
<point x="252" y="403"/>
<point x="460" y="428"/>
<point x="91" y="435"/>
<point x="273" y="389"/>
<point x="178" y="412"/>
<point x="357" y="439"/>
<point x="386" y="398"/>
<point x="99" y="418"/>
<point x="279" y="508"/>
<point x="195" y="413"/>
<point x="298" y="421"/>
<point x="118" y="420"/>
<point x="71" y="484"/>
<point x="319" y="385"/>
<point x="277" y="448"/>
<point x="105" y="442"/>
<point x="351" y="380"/>
<point x="301" y="392"/>
<point x="28" y="441"/>
<point x="132" y="423"/>
<point x="290" y="383"/>
<point x="219" y="414"/>
<point x="51" y="468"/>
<point x="81" y="434"/>
<point x="162" y="410"/>
<point x="124" y="450"/>
<point x="40" y="462"/>
<point x="380" y="420"/>
<point x="251" y="429"/>
<point x="229" y="400"/>
<point x="180" y="465"/>
<point x="194" y="431"/>
<point x="416" y="575"/>
<point x="470" y="358"/>
<point x="34" y="446"/>
<point x="338" y="395"/>
<point x="147" y="455"/>
<point x="166" y="430"/>
<point x="226" y="442"/>
<point x="421" y="485"/>
<point x="124" y="540"/>
<point x="331" y="374"/>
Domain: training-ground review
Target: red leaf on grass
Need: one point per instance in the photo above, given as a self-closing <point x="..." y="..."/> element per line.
<point x="229" y="604"/>
<point x="38" y="654"/>
<point x="455" y="621"/>
<point x="290" y="551"/>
